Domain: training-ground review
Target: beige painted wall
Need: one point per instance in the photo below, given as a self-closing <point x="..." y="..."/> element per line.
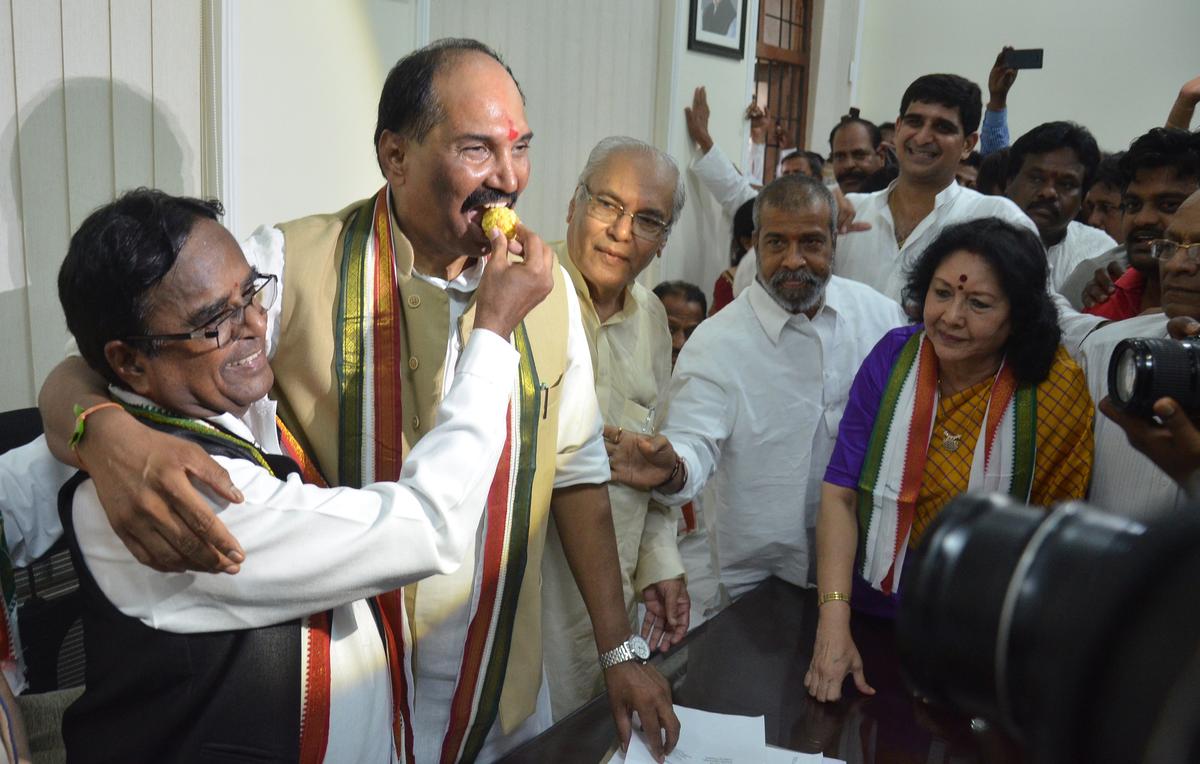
<point x="308" y="76"/>
<point x="698" y="249"/>
<point x="1112" y="65"/>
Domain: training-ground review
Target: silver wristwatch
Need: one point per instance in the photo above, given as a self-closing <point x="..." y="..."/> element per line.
<point x="632" y="649"/>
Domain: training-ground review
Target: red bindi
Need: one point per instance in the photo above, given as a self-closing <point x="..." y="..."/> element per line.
<point x="963" y="278"/>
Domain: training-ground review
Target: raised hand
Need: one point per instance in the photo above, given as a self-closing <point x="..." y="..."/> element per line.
<point x="696" y="118"/>
<point x="1000" y="80"/>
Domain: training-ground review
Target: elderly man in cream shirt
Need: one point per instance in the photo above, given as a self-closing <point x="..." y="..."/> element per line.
<point x="628" y="195"/>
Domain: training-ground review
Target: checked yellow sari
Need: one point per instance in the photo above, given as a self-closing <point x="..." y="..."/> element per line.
<point x="1032" y="442"/>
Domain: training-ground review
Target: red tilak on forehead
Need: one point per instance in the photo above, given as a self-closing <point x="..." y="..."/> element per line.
<point x="512" y="133"/>
<point x="962" y="279"/>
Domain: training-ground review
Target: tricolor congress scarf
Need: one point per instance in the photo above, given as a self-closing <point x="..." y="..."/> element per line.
<point x="894" y="467"/>
<point x="370" y="330"/>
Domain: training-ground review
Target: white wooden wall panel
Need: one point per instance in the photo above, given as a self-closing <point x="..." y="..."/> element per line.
<point x="588" y="70"/>
<point x="96" y="96"/>
<point x="41" y="141"/>
<point x="132" y="84"/>
<point x="14" y="306"/>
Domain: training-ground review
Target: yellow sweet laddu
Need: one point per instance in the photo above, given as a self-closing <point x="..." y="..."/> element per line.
<point x="500" y="217"/>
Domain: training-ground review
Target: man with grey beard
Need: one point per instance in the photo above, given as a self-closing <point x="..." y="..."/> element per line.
<point x="758" y="392"/>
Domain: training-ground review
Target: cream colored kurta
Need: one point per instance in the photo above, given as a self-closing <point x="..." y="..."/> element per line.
<point x="631" y="357"/>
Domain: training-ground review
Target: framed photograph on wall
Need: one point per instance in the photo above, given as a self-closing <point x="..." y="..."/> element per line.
<point x="718" y="27"/>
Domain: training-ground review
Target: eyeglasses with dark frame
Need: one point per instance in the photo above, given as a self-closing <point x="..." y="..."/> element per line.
<point x="608" y="212"/>
<point x="1165" y="249"/>
<point x="262" y="295"/>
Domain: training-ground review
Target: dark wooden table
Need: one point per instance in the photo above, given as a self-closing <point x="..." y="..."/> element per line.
<point x="751" y="658"/>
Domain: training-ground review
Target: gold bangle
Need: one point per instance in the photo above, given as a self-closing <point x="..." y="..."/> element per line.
<point x="834" y="596"/>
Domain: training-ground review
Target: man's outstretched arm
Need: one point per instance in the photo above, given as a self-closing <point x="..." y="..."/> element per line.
<point x="144" y="477"/>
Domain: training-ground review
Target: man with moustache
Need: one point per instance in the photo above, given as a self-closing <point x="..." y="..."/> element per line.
<point x="618" y="220"/>
<point x="855" y="151"/>
<point x="1124" y="480"/>
<point x="1160" y="170"/>
<point x="936" y="129"/>
<point x="762" y="429"/>
<point x="292" y="657"/>
<point x="375" y="312"/>
<point x="1050" y="169"/>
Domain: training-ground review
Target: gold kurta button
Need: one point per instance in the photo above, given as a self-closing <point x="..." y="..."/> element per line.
<point x="414" y="301"/>
<point x="416" y="422"/>
<point x="413" y="363"/>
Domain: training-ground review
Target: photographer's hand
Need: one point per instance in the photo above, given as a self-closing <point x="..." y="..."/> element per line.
<point x="1173" y="445"/>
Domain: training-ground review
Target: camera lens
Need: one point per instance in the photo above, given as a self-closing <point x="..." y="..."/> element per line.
<point x="1144" y="369"/>
<point x="1069" y="629"/>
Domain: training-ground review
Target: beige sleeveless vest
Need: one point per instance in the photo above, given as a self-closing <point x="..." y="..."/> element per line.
<point x="306" y="389"/>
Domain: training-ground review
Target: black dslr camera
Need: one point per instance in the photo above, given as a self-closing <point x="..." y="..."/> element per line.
<point x="1144" y="369"/>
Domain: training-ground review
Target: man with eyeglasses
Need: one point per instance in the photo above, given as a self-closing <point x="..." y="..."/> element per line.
<point x="1160" y="170"/>
<point x="629" y="193"/>
<point x="761" y="426"/>
<point x="374" y="316"/>
<point x="295" y="658"/>
<point x="1123" y="479"/>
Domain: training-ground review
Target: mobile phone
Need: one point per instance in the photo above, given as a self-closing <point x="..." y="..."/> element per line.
<point x="1026" y="58"/>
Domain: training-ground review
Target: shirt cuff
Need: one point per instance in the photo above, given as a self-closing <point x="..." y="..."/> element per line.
<point x="489" y="356"/>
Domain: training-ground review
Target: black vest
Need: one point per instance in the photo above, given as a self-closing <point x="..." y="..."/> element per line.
<point x="154" y="696"/>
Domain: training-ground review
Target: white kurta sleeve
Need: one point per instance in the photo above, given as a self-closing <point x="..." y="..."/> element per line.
<point x="582" y="458"/>
<point x="30" y="477"/>
<point x="699" y="419"/>
<point x="729" y="187"/>
<point x="310" y="549"/>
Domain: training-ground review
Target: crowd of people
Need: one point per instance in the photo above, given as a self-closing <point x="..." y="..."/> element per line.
<point x="242" y="448"/>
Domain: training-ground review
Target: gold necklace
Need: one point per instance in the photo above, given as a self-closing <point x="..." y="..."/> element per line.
<point x="951" y="441"/>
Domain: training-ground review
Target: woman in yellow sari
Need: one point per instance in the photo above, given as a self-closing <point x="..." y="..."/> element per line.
<point x="980" y="396"/>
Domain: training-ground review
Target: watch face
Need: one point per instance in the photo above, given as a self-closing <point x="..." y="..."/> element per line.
<point x="639" y="648"/>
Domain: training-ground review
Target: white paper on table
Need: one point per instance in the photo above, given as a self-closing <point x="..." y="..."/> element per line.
<point x="708" y="738"/>
<point x="784" y="756"/>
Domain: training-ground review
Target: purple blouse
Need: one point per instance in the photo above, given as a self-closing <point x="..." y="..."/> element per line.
<point x="854" y="435"/>
<point x="862" y="406"/>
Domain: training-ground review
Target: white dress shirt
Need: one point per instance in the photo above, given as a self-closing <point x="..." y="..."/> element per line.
<point x="1124" y="481"/>
<point x="441" y="616"/>
<point x="310" y="549"/>
<point x="873" y="256"/>
<point x="1081" y="243"/>
<point x="756" y="399"/>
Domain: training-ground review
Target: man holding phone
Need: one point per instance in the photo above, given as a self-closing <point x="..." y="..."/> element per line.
<point x="993" y="133"/>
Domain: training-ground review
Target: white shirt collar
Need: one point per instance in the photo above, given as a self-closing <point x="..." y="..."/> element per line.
<point x="465" y="282"/>
<point x="257" y="426"/>
<point x="945" y="196"/>
<point x="771" y="315"/>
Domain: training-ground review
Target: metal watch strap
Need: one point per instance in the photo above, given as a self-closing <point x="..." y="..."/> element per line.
<point x="619" y="654"/>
